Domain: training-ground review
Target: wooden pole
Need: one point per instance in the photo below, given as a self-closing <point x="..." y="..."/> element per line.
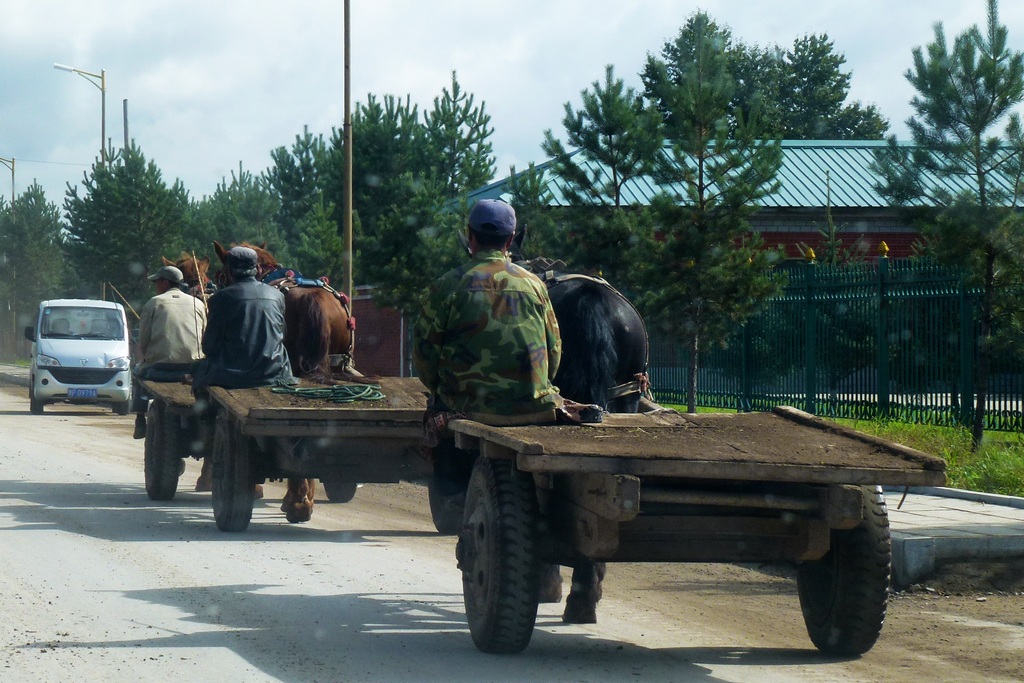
<point x="348" y="156"/>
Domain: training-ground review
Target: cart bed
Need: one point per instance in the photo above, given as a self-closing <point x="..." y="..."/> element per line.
<point x="786" y="445"/>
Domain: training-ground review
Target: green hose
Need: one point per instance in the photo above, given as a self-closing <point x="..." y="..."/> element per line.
<point x="339" y="393"/>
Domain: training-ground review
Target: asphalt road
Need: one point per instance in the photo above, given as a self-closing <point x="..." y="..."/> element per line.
<point x="102" y="584"/>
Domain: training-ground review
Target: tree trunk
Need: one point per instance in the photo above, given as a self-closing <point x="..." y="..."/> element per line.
<point x="691" y="389"/>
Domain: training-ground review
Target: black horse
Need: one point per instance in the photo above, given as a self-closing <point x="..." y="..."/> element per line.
<point x="604" y="362"/>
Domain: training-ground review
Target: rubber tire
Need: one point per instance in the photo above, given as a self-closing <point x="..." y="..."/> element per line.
<point x="497" y="555"/>
<point x="339" y="491"/>
<point x="233" y="482"/>
<point x="844" y="595"/>
<point x="35" y="407"/>
<point x="162" y="453"/>
<point x="121" y="407"/>
<point x="445" y="511"/>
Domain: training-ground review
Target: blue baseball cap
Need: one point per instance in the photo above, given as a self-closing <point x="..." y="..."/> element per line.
<point x="492" y="217"/>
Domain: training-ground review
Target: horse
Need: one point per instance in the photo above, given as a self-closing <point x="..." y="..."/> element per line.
<point x="319" y="337"/>
<point x="605" y="350"/>
<point x="194" y="273"/>
<point x="319" y="327"/>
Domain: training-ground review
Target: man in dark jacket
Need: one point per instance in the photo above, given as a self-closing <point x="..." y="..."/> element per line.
<point x="244" y="339"/>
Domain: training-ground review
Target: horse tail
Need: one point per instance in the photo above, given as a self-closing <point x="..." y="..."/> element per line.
<point x="587" y="375"/>
<point x="314" y="336"/>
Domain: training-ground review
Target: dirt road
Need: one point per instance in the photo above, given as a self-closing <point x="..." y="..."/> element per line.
<point x="102" y="584"/>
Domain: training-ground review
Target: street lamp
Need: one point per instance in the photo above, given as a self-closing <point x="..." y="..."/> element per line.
<point x="100" y="81"/>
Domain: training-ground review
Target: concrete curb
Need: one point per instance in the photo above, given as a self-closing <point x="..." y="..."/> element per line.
<point x="945" y="525"/>
<point x="14" y="377"/>
<point x="961" y="494"/>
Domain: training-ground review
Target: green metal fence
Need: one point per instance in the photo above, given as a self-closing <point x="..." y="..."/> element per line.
<point x="890" y="339"/>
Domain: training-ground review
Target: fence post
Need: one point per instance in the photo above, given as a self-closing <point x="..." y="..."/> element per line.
<point x="881" y="332"/>
<point x="966" y="417"/>
<point x="810" y="339"/>
<point x="747" y="389"/>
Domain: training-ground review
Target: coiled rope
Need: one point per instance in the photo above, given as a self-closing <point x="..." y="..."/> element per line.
<point x="339" y="393"/>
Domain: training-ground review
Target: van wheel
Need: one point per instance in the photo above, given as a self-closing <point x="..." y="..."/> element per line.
<point x="35" y="406"/>
<point x="122" y="407"/>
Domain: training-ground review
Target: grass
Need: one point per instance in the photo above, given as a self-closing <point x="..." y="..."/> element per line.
<point x="996" y="467"/>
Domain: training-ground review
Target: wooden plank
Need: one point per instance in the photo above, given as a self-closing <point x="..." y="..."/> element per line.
<point x="802" y="418"/>
<point x="320" y="428"/>
<point x="834" y="473"/>
<point x="230" y="401"/>
<point x="177" y="394"/>
<point x="498" y="435"/>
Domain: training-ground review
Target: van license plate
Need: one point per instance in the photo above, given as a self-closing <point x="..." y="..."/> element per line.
<point x="81" y="393"/>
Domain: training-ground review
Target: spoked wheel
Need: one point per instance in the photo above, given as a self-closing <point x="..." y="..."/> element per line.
<point x="162" y="453"/>
<point x="339" y="491"/>
<point x="445" y="511"/>
<point x="233" y="482"/>
<point x="844" y="594"/>
<point x="497" y="555"/>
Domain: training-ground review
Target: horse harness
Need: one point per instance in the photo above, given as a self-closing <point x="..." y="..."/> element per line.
<point x="546" y="270"/>
<point x="283" y="279"/>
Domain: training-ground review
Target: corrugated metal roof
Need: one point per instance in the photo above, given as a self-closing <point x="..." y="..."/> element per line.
<point x="805" y="166"/>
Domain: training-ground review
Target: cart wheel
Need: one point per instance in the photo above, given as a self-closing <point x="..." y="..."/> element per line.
<point x="497" y="556"/>
<point x="233" y="483"/>
<point x="446" y="511"/>
<point x="339" y="491"/>
<point x="843" y="595"/>
<point x="162" y="453"/>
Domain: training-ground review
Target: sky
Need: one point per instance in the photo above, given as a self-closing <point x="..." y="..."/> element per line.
<point x="211" y="86"/>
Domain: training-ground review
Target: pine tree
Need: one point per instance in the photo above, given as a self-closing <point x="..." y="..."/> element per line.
<point x="963" y="94"/>
<point x="611" y="141"/>
<point x="708" y="273"/>
<point x="296" y="178"/>
<point x="32" y="265"/>
<point x="242" y="210"/>
<point x="124" y="221"/>
<point x="321" y="251"/>
<point x="458" y="145"/>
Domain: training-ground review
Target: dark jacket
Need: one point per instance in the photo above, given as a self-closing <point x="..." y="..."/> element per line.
<point x="244" y="339"/>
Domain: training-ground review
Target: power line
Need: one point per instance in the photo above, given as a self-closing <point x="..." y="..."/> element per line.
<point x="52" y="163"/>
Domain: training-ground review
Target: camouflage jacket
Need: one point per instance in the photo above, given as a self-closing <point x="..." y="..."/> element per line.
<point x="487" y="340"/>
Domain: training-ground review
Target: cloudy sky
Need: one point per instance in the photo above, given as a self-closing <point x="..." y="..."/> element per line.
<point x="212" y="85"/>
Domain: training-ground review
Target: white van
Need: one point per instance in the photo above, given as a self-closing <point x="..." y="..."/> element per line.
<point x="80" y="354"/>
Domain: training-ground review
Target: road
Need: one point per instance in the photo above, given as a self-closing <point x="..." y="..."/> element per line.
<point x="102" y="584"/>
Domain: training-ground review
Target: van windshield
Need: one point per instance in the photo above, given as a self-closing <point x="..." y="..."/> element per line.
<point x="81" y="322"/>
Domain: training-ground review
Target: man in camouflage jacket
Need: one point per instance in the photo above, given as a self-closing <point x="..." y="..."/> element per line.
<point x="487" y="344"/>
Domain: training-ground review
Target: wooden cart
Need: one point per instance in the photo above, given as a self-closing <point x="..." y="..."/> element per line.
<point x="665" y="487"/>
<point x="259" y="435"/>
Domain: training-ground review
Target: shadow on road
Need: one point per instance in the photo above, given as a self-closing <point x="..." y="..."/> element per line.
<point x="408" y="637"/>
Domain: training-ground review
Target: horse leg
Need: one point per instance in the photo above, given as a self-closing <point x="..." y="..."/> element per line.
<point x="297" y="505"/>
<point x="550" y="583"/>
<point x="581" y="605"/>
<point x="205" y="480"/>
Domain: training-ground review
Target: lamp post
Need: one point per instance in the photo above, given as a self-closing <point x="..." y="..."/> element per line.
<point x="100" y="81"/>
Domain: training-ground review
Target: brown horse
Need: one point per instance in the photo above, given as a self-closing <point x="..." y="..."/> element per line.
<point x="319" y="338"/>
<point x="194" y="273"/>
<point x="319" y="327"/>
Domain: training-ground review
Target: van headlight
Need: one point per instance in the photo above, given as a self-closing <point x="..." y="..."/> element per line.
<point x="120" y="363"/>
<point x="47" y="362"/>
